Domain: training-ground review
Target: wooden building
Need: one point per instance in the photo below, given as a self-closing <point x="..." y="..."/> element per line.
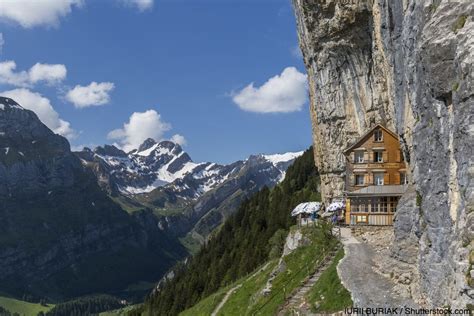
<point x="376" y="177"/>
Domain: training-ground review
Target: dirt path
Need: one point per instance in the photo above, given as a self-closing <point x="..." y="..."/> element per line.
<point x="368" y="288"/>
<point x="224" y="300"/>
<point x="296" y="304"/>
<point x="235" y="288"/>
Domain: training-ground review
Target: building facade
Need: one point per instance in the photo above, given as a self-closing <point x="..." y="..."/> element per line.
<point x="376" y="177"/>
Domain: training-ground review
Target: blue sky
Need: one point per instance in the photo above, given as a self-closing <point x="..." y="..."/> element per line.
<point x="183" y="67"/>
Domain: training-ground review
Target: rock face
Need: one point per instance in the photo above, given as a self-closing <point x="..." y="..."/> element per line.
<point x="407" y="65"/>
<point x="61" y="236"/>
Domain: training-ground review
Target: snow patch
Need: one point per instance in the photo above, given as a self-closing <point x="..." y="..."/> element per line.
<point x="277" y="158"/>
<point x="148" y="151"/>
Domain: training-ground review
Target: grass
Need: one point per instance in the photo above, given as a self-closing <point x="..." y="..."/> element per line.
<point x="119" y="312"/>
<point x="328" y="294"/>
<point x="207" y="305"/>
<point x="22" y="307"/>
<point x="190" y="243"/>
<point x="248" y="299"/>
<point x="247" y="295"/>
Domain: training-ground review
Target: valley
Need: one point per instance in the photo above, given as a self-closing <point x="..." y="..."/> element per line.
<point x="75" y="206"/>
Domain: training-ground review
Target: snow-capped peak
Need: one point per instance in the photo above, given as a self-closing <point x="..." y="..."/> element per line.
<point x="278" y="158"/>
<point x="148" y="143"/>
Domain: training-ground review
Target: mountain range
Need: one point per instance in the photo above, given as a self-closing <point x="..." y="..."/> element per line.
<point x="99" y="221"/>
<point x="190" y="199"/>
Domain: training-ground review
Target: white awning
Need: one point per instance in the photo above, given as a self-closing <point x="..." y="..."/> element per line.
<point x="306" y="208"/>
<point x="336" y="205"/>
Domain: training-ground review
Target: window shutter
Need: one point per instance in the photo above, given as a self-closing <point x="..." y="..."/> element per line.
<point x="352" y="157"/>
<point x="366" y="179"/>
<point x="399" y="155"/>
<point x="397" y="178"/>
<point x="371" y="156"/>
<point x="371" y="178"/>
<point x="366" y="157"/>
<point x="352" y="179"/>
<point x="386" y="178"/>
<point x="385" y="156"/>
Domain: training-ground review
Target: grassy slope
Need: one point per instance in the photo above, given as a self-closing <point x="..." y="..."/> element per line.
<point x="207" y="305"/>
<point x="23" y="308"/>
<point x="118" y="312"/>
<point x="299" y="265"/>
<point x="329" y="286"/>
<point x="240" y="297"/>
<point x="248" y="300"/>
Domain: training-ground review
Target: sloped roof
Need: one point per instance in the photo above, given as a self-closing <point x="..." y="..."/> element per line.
<point x="368" y="133"/>
<point x="306" y="208"/>
<point x="380" y="190"/>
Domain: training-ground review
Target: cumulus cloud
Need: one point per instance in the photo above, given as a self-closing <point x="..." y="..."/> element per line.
<point x="94" y="94"/>
<point x="179" y="139"/>
<point x="142" y="5"/>
<point x="10" y="76"/>
<point x="141" y="125"/>
<point x="48" y="73"/>
<point x="42" y="107"/>
<point x="30" y="13"/>
<point x="280" y="94"/>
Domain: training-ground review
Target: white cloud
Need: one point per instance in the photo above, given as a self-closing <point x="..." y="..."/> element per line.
<point x="282" y="93"/>
<point x="92" y="95"/>
<point x="179" y="139"/>
<point x="141" y="125"/>
<point x="31" y="13"/>
<point x="48" y="73"/>
<point x="9" y="76"/>
<point x="43" y="108"/>
<point x="2" y="42"/>
<point x="142" y="5"/>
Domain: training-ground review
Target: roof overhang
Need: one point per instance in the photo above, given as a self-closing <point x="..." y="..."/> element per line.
<point x="379" y="190"/>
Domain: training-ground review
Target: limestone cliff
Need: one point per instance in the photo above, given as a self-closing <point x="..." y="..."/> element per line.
<point x="408" y="65"/>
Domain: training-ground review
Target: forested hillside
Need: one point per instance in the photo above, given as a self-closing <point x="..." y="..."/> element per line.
<point x="246" y="240"/>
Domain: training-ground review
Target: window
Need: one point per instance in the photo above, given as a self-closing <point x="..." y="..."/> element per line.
<point x="393" y="204"/>
<point x="361" y="219"/>
<point x="378" y="135"/>
<point x="359" y="156"/>
<point x="359" y="179"/>
<point x="378" y="156"/>
<point x="403" y="178"/>
<point x="379" y="205"/>
<point x="378" y="178"/>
